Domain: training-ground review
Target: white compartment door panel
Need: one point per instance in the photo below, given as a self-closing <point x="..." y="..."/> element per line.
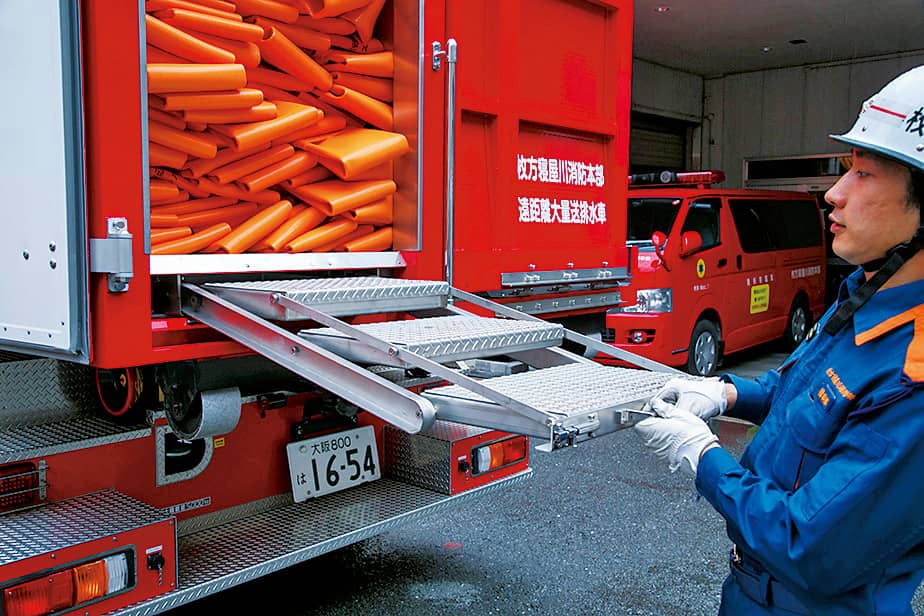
<point x="43" y="246"/>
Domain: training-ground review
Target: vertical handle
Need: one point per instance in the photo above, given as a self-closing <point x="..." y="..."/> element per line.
<point x="451" y="54"/>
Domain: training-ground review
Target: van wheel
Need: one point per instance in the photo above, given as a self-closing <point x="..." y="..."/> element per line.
<point x="797" y="325"/>
<point x="705" y="350"/>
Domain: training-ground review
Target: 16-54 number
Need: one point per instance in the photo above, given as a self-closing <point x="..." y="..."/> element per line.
<point x="331" y="474"/>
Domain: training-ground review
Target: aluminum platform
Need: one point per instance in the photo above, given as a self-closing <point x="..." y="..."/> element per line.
<point x="442" y="339"/>
<point x="562" y="396"/>
<point x="335" y="296"/>
<point x="572" y="396"/>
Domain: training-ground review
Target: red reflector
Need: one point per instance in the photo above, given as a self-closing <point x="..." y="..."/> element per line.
<point x="19" y="486"/>
<point x="42" y="596"/>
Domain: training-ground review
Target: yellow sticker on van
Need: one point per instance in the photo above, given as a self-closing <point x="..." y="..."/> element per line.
<point x="700" y="268"/>
<point x="760" y="298"/>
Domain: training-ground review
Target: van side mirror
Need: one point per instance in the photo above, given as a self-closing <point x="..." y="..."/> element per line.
<point x="690" y="242"/>
<point x="659" y="239"/>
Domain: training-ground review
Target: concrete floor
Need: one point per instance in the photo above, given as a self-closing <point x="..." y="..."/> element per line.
<point x="603" y="528"/>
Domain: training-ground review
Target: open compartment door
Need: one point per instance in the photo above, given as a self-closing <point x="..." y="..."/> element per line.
<point x="541" y="141"/>
<point x="43" y="245"/>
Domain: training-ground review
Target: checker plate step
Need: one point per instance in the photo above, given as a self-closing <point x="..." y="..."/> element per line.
<point x="441" y="339"/>
<point x="559" y="392"/>
<point x="217" y="558"/>
<point x="335" y="296"/>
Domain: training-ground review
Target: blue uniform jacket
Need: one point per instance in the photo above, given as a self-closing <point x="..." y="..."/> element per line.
<point x="829" y="495"/>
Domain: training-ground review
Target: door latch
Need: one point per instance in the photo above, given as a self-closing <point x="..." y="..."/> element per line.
<point x="438" y="52"/>
<point x="112" y="255"/>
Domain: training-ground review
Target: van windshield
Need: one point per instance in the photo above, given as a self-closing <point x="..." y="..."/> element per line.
<point x="650" y="214"/>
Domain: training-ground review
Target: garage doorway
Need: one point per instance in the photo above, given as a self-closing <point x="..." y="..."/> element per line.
<point x="657" y="143"/>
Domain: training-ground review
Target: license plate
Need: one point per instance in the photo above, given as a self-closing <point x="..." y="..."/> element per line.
<point x="332" y="462"/>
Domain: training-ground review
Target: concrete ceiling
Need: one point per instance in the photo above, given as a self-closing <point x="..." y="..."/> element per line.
<point x="716" y="37"/>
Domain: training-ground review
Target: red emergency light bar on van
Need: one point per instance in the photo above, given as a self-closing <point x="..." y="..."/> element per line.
<point x="702" y="178"/>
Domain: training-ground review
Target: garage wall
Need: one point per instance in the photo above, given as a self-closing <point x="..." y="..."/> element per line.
<point x="667" y="108"/>
<point x="787" y="112"/>
<point x="662" y="91"/>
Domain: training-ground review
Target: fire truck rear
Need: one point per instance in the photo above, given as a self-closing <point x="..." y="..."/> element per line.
<point x="271" y="283"/>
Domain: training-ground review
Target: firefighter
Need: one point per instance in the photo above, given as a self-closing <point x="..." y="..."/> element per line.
<point x="825" y="508"/>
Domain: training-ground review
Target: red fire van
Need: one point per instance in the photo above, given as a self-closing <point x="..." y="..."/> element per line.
<point x="717" y="270"/>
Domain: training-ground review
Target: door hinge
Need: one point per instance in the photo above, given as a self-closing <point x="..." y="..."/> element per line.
<point x="112" y="255"/>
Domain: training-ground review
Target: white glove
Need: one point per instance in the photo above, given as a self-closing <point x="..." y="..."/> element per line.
<point x="704" y="398"/>
<point x="680" y="437"/>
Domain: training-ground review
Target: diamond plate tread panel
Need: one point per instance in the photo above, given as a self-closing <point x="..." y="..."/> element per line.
<point x="566" y="390"/>
<point x="38" y="390"/>
<point x="77" y="432"/>
<point x="331" y="294"/>
<point x="420" y="461"/>
<point x="76" y="520"/>
<point x="449" y="431"/>
<point x="444" y="338"/>
<point x="225" y="556"/>
<point x="197" y="524"/>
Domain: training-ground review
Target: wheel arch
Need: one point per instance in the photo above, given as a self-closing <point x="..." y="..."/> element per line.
<point x="710" y="314"/>
<point x="801" y="295"/>
<point x="702" y="311"/>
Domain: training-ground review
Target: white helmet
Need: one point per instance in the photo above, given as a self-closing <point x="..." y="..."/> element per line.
<point x="891" y="122"/>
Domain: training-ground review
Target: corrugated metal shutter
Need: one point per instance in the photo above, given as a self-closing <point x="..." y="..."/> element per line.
<point x="656" y="148"/>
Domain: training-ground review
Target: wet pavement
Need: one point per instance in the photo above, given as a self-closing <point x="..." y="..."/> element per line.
<point x="603" y="528"/>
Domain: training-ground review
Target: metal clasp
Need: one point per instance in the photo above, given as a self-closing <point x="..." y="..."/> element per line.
<point x="439" y="52"/>
<point x="113" y="255"/>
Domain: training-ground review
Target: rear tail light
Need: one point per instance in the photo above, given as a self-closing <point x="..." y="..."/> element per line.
<point x="68" y="588"/>
<point x="90" y="581"/>
<point x="498" y="454"/>
<point x="42" y="596"/>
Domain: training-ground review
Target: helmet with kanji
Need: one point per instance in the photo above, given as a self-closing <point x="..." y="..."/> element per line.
<point x="891" y="122"/>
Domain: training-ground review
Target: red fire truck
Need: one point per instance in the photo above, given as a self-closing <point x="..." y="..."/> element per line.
<point x="179" y="415"/>
<point x="717" y="270"/>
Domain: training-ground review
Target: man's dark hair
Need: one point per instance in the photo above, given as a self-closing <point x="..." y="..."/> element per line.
<point x="916" y="188"/>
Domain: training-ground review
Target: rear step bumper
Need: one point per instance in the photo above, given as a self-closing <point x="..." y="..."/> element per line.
<point x="218" y="558"/>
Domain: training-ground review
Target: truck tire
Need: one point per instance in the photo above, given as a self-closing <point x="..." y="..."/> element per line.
<point x="797" y="325"/>
<point x="705" y="349"/>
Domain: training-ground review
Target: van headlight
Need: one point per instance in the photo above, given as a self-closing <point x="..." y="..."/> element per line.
<point x="651" y="301"/>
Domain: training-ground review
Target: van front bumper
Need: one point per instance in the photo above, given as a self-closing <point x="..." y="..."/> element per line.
<point x="649" y="335"/>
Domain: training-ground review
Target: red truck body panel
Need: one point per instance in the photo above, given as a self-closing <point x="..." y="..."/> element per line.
<point x="541" y="156"/>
